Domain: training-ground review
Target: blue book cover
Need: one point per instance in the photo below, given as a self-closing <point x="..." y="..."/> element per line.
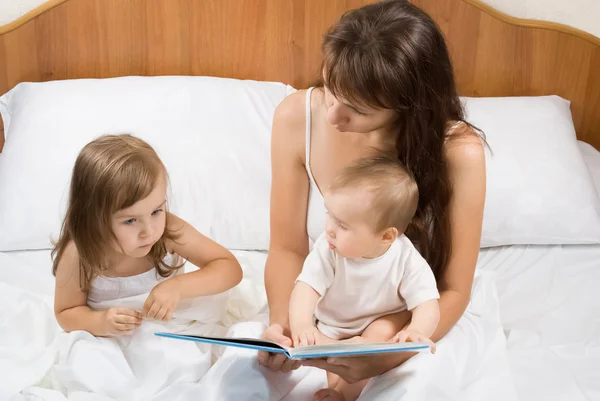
<point x="340" y="349"/>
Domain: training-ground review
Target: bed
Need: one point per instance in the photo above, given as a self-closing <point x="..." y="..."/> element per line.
<point x="75" y="65"/>
<point x="547" y="294"/>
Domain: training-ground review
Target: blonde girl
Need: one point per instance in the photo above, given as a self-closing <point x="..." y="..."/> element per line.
<point x="118" y="240"/>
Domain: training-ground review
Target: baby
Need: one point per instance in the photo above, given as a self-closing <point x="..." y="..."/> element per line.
<point x="363" y="267"/>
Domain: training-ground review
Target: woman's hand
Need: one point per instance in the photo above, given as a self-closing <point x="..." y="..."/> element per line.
<point x="162" y="300"/>
<point x="355" y="369"/>
<point x="277" y="362"/>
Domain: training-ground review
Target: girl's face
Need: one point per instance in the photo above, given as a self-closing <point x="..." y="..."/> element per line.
<point x="346" y="117"/>
<point x="138" y="227"/>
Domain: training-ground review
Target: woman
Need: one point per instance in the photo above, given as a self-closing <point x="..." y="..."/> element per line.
<point x="387" y="84"/>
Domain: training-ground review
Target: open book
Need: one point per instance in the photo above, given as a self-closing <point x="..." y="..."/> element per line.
<point x="307" y="352"/>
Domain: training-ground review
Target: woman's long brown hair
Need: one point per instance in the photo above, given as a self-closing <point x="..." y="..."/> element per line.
<point x="392" y="55"/>
<point x="111" y="173"/>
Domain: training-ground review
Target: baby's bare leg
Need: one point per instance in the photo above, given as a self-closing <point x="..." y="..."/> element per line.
<point x="380" y="330"/>
<point x="330" y="393"/>
<point x="386" y="327"/>
<point x="339" y="390"/>
<point x="332" y="380"/>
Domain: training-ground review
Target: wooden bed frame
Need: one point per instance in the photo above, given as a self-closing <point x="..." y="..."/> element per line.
<point x="279" y="40"/>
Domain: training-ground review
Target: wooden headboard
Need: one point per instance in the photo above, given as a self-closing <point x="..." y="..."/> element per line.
<point x="279" y="40"/>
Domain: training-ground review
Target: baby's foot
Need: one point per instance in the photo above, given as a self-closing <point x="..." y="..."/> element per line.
<point x="329" y="394"/>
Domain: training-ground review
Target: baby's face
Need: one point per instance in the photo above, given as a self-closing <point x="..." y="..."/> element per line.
<point x="349" y="231"/>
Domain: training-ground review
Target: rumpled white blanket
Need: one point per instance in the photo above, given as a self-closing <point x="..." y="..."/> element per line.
<point x="471" y="364"/>
<point x="41" y="361"/>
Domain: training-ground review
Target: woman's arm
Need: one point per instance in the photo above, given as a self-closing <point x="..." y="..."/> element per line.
<point x="289" y="240"/>
<point x="289" y="201"/>
<point x="466" y="159"/>
<point x="466" y="162"/>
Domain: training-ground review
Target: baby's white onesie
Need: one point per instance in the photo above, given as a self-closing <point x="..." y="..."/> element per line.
<point x="355" y="292"/>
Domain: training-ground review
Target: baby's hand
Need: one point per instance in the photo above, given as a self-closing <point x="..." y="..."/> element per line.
<point x="162" y="301"/>
<point x="413" y="336"/>
<point x="308" y="335"/>
<point x="119" y="321"/>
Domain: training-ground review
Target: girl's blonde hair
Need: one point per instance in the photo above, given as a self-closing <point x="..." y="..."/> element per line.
<point x="111" y="173"/>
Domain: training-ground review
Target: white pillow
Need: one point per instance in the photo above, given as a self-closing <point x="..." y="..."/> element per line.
<point x="539" y="190"/>
<point x="592" y="160"/>
<point x="213" y="134"/>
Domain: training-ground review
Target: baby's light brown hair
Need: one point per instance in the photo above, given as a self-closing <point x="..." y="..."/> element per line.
<point x="394" y="192"/>
<point x="111" y="173"/>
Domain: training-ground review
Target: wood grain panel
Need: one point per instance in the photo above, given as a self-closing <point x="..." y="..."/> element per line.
<point x="279" y="40"/>
<point x="494" y="57"/>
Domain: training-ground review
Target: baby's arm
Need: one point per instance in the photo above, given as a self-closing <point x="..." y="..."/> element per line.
<point x="312" y="284"/>
<point x="423" y="324"/>
<point x="302" y="307"/>
<point x="419" y="290"/>
<point x="70" y="303"/>
<point x="425" y="318"/>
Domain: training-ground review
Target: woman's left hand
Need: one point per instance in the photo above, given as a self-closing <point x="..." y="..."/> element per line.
<point x="162" y="300"/>
<point x="355" y="369"/>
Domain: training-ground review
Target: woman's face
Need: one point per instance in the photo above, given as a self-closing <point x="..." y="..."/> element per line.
<point x="346" y="117"/>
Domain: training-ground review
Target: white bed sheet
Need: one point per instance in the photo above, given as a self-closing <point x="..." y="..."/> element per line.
<point x="549" y="307"/>
<point x="548" y="304"/>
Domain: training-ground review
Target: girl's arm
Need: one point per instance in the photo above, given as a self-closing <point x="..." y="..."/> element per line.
<point x="70" y="303"/>
<point x="219" y="269"/>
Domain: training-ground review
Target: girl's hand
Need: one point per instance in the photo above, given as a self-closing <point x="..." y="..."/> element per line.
<point x="407" y="335"/>
<point x="277" y="362"/>
<point x="119" y="321"/>
<point x="162" y="301"/>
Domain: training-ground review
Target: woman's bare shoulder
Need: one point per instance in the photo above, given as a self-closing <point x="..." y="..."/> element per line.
<point x="289" y="123"/>
<point x="465" y="147"/>
<point x="292" y="109"/>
